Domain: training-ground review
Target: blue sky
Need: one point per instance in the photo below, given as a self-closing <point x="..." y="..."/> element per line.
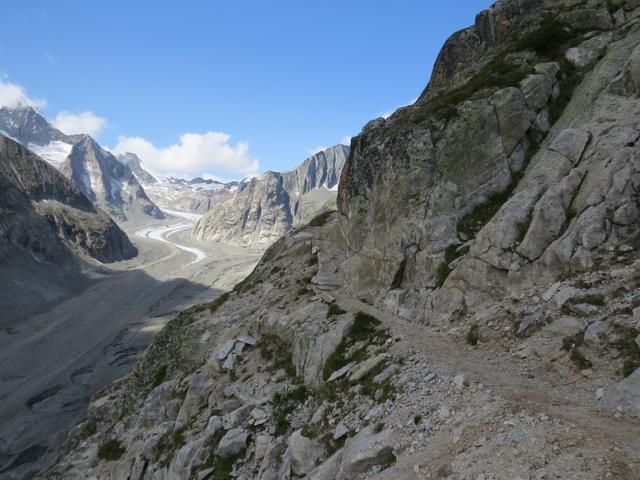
<point x="285" y="77"/>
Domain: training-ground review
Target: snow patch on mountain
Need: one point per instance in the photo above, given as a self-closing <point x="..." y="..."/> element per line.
<point x="55" y="153"/>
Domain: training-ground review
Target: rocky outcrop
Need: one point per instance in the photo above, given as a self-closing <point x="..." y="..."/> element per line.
<point x="263" y="208"/>
<point x="107" y="182"/>
<point x="134" y="163"/>
<point x="523" y="171"/>
<point x="45" y="222"/>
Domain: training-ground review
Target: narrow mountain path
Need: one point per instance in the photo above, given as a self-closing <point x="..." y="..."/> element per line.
<point x="539" y="391"/>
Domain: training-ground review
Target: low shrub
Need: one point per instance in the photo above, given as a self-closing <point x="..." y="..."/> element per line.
<point x="111" y="450"/>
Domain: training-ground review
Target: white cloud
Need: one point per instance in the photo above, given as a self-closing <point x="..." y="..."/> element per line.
<point x="195" y="154"/>
<point x="84" y="122"/>
<point x="13" y="95"/>
<point x="346" y="140"/>
<point x="313" y="151"/>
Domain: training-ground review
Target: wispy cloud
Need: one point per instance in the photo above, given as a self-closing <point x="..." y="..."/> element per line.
<point x="49" y="57"/>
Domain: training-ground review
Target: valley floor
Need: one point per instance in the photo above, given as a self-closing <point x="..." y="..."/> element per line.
<point x="55" y="361"/>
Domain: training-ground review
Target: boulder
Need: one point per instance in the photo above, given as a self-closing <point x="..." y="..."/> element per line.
<point x="233" y="442"/>
<point x="304" y="453"/>
<point x="366" y="367"/>
<point x="624" y="395"/>
<point x="363" y="452"/>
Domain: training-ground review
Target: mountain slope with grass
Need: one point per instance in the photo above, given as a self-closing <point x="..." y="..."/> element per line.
<point x="471" y="310"/>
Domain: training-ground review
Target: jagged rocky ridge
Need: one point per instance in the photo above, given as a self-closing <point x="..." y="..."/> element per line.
<point x="107" y="182"/>
<point x="470" y="312"/>
<point x="27" y="126"/>
<point x="263" y="208"/>
<point x="196" y="195"/>
<point x="110" y="184"/>
<point x="134" y="163"/>
<point x="45" y="221"/>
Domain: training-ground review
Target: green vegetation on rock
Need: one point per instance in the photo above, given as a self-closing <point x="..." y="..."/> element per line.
<point x="111" y="450"/>
<point x="364" y="331"/>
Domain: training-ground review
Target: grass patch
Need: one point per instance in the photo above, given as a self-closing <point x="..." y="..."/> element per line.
<point x="628" y="347"/>
<point x="304" y="291"/>
<point x="159" y="377"/>
<point x="472" y="222"/>
<point x="596" y="299"/>
<point x="573" y="341"/>
<point x="111" y="450"/>
<point x="223" y="467"/>
<point x="284" y="404"/>
<point x="320" y="220"/>
<point x="579" y="360"/>
<point x="333" y="310"/>
<point x="178" y="437"/>
<point x="548" y="41"/>
<point x="274" y="349"/>
<point x="629" y="366"/>
<point x="364" y="329"/>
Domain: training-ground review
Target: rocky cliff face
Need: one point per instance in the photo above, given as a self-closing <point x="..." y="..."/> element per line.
<point x="524" y="171"/>
<point x="470" y="312"/>
<point x="107" y="182"/>
<point x="134" y="163"/>
<point x="265" y="207"/>
<point x="27" y="126"/>
<point x="45" y="222"/>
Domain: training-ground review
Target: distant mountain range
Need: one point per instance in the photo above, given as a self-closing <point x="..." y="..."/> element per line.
<point x="105" y="180"/>
<point x="262" y="208"/>
<point x="47" y="226"/>
<point x="255" y="211"/>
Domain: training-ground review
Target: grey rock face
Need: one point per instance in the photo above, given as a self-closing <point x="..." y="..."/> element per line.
<point x="513" y="198"/>
<point x="624" y="395"/>
<point x="304" y="453"/>
<point x="364" y="451"/>
<point x="107" y="182"/>
<point x="46" y="226"/>
<point x="132" y="161"/>
<point x="44" y="211"/>
<point x="264" y="207"/>
<point x="233" y="442"/>
<point x="27" y="126"/>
